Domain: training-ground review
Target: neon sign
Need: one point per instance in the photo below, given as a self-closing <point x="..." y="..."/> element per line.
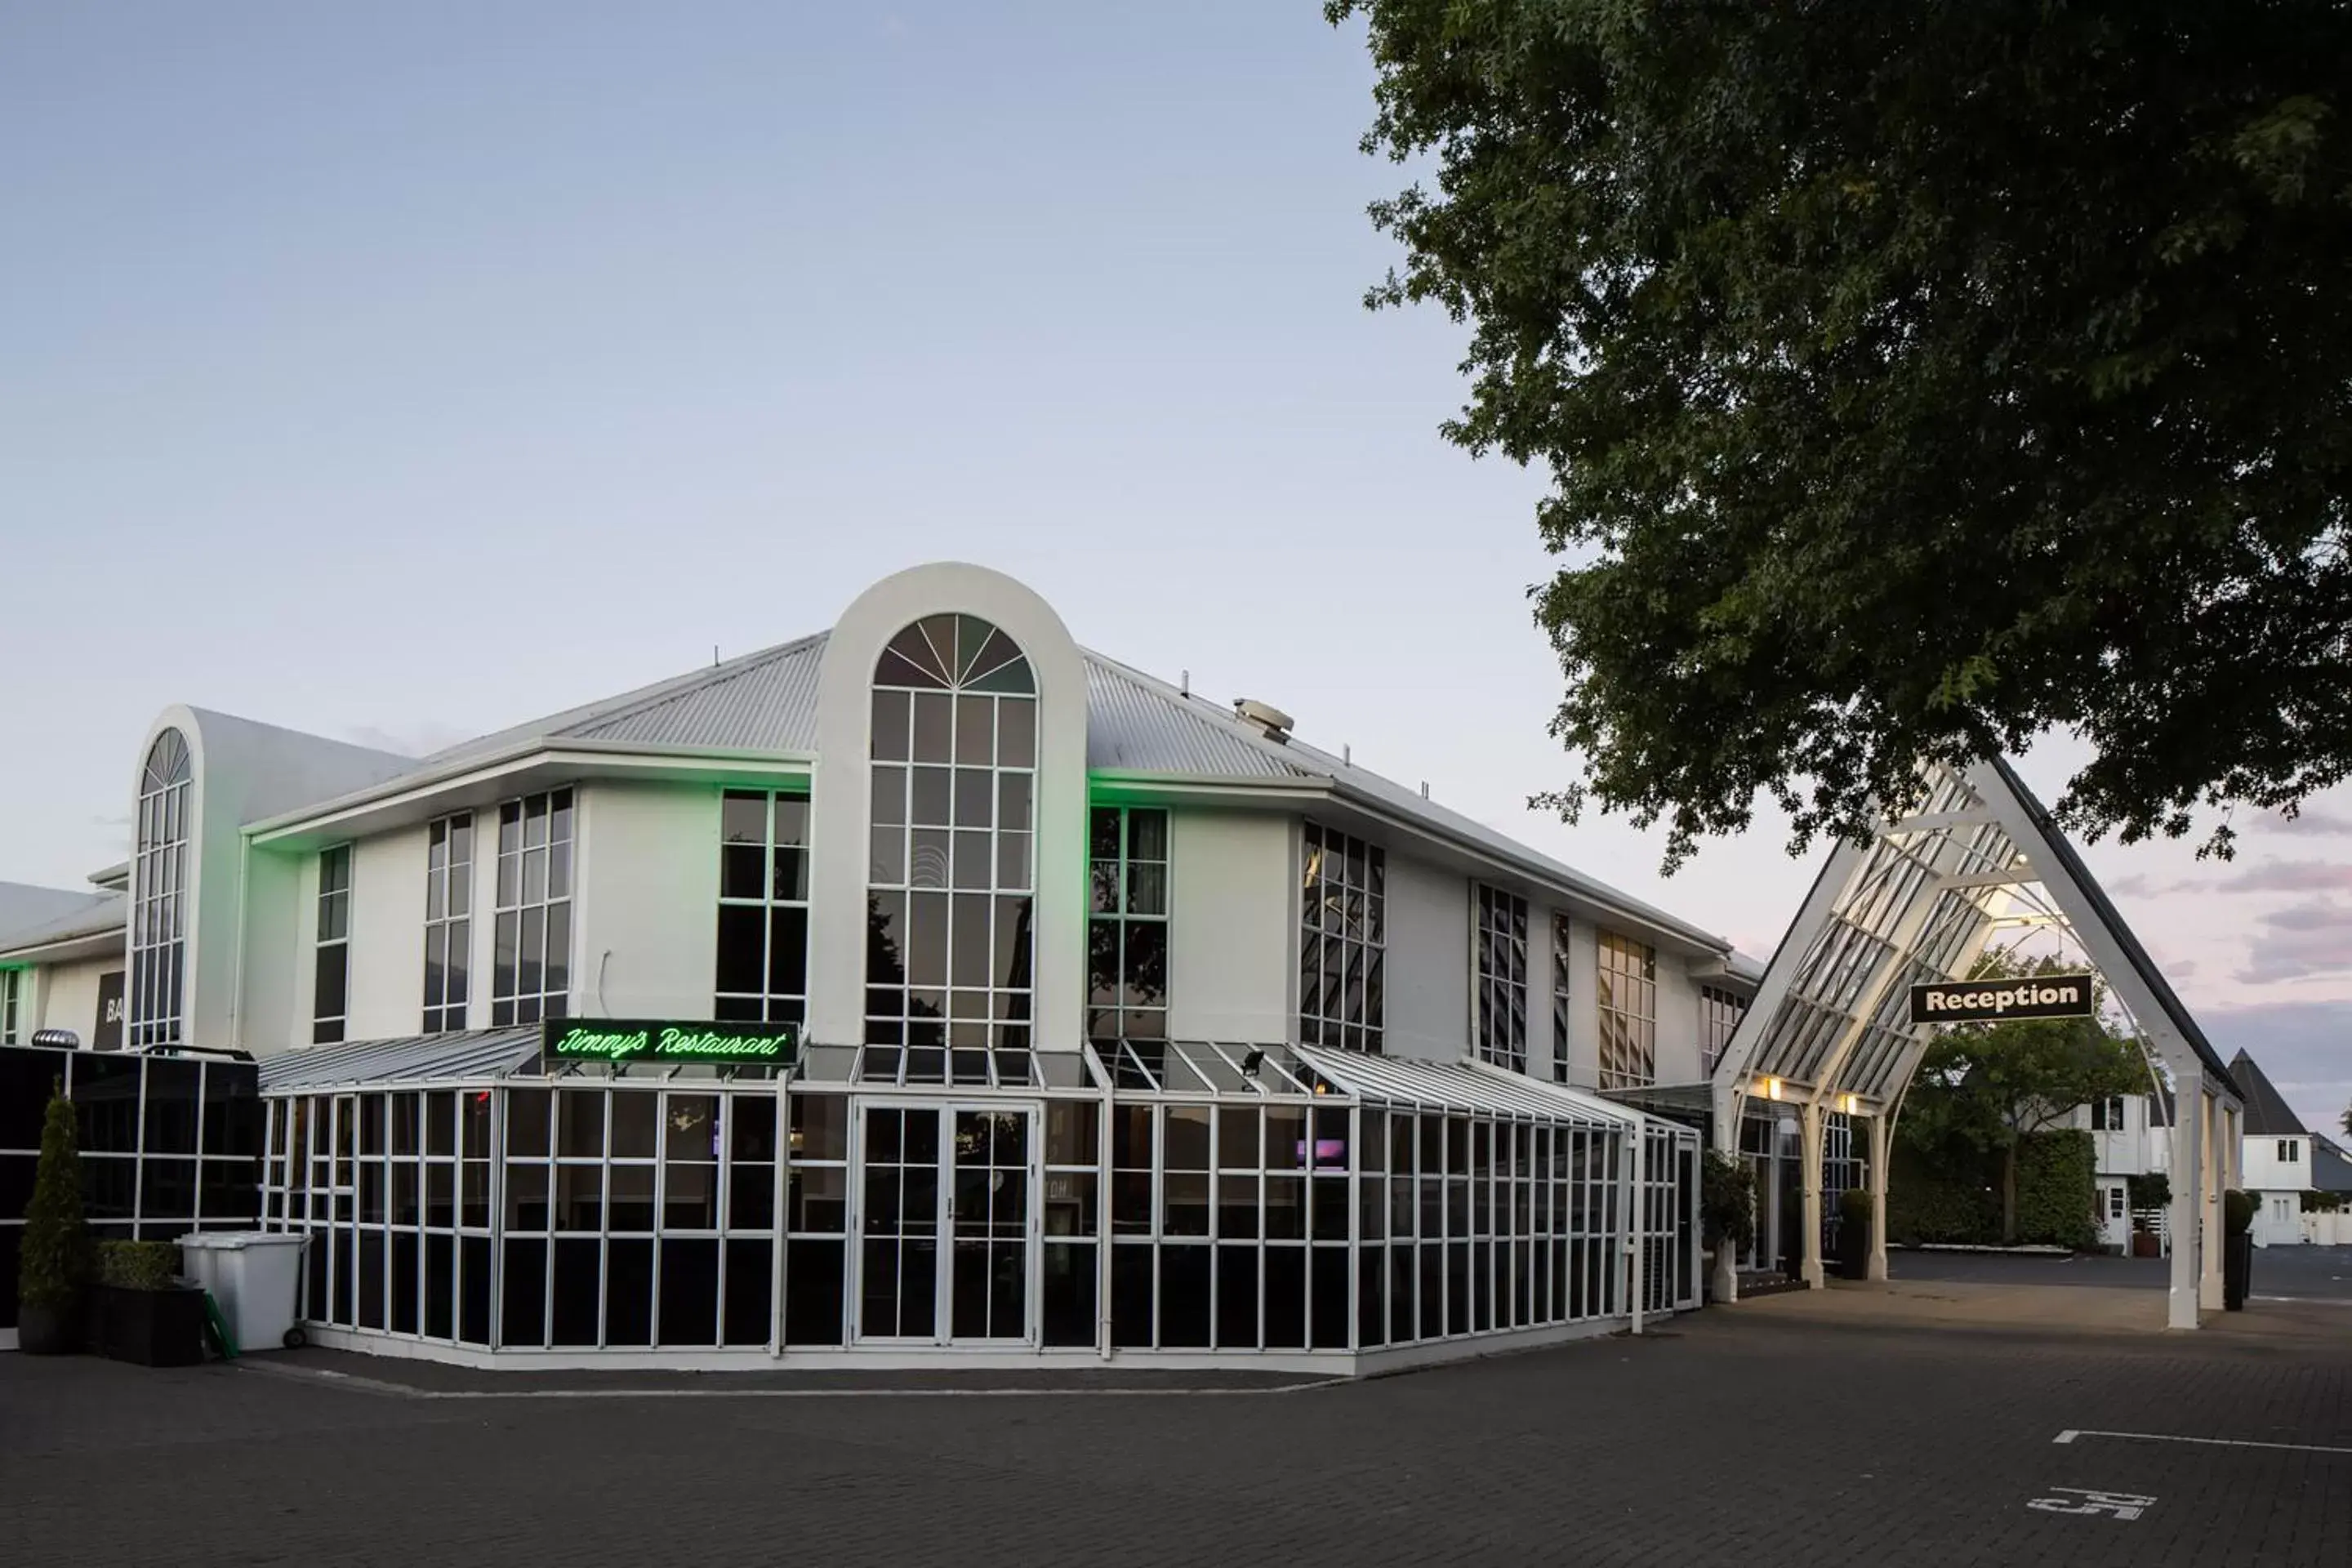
<point x="666" y="1040"/>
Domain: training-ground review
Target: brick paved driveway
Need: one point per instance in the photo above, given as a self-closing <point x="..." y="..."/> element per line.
<point x="1725" y="1440"/>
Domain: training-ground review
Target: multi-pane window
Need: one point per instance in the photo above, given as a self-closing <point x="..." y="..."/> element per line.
<point x="332" y="991"/>
<point x="1499" y="978"/>
<point x="1127" y="939"/>
<point x="1342" y="942"/>
<point x="762" y="908"/>
<point x="449" y="921"/>
<point x="1627" y="995"/>
<point x="1561" y="992"/>
<point x="2288" y="1152"/>
<point x="2107" y="1114"/>
<point x="1719" y="1015"/>
<point x="11" y="989"/>
<point x="159" y="891"/>
<point x="949" y="950"/>
<point x="530" y="971"/>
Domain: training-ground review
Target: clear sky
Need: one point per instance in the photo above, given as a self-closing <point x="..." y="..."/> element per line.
<point x="401" y="371"/>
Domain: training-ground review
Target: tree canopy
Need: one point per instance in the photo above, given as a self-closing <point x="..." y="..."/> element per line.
<point x="1913" y="378"/>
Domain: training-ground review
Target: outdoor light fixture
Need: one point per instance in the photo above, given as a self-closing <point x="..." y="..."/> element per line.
<point x="1252" y="1060"/>
<point x="1846" y="1104"/>
<point x="1770" y="1087"/>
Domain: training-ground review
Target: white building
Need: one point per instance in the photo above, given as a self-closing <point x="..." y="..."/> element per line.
<point x="990" y="897"/>
<point x="2282" y="1161"/>
<point x="2130" y="1136"/>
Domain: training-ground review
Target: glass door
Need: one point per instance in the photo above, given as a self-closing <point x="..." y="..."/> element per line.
<point x="946" y="1224"/>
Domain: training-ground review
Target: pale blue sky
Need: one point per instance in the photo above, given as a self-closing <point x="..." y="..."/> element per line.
<point x="398" y="373"/>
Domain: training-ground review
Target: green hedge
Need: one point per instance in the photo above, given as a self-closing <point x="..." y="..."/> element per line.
<point x="1939" y="1199"/>
<point x="1953" y="1193"/>
<point x="2057" y="1189"/>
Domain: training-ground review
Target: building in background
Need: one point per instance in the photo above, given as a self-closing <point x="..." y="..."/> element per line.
<point x="2279" y="1156"/>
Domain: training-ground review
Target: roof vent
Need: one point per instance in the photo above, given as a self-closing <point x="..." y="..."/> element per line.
<point x="1271" y="721"/>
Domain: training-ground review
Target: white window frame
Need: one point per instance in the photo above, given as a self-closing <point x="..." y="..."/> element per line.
<point x="510" y="1004"/>
<point x="768" y="1004"/>
<point x="329" y="1028"/>
<point x="1499" y="976"/>
<point x="449" y="888"/>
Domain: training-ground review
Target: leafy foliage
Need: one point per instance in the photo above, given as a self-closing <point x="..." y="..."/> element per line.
<point x="1727" y="1201"/>
<point x="2150" y="1190"/>
<point x="54" y="1263"/>
<point x="2238" y="1211"/>
<point x="2057" y="1190"/>
<point x="1912" y="378"/>
<point x="1944" y="1197"/>
<point x="138" y="1265"/>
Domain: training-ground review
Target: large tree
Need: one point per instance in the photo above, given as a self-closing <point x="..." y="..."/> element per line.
<point x="1914" y="378"/>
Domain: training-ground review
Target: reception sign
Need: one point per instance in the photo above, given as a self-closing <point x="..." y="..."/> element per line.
<point x="668" y="1040"/>
<point x="2027" y="996"/>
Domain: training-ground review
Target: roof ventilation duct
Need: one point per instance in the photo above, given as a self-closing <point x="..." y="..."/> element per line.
<point x="1269" y="721"/>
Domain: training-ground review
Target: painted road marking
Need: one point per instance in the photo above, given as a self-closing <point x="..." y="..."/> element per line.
<point x="2074" y="1432"/>
<point x="2121" y="1505"/>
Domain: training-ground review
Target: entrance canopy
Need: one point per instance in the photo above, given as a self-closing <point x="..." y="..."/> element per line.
<point x="1830" y="1028"/>
<point x="1920" y="903"/>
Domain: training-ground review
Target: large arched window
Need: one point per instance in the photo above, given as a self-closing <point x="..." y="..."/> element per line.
<point x="954" y="758"/>
<point x="159" y="916"/>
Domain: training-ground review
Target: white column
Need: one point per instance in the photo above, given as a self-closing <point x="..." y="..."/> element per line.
<point x="1881" y="1142"/>
<point x="2208" y="1286"/>
<point x="2187" y="1202"/>
<point x="1636" y="1155"/>
<point x="1810" y="1174"/>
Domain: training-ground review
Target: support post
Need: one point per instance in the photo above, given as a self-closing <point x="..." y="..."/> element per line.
<point x="1809" y="1173"/>
<point x="2210" y="1243"/>
<point x="1880" y="1142"/>
<point x="1723" y="1277"/>
<point x="1636" y="1155"/>
<point x="2188" y="1201"/>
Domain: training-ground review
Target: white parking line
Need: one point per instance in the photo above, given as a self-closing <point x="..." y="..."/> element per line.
<point x="2074" y="1432"/>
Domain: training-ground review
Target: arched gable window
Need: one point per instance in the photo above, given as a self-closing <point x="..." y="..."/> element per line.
<point x="159" y="915"/>
<point x="954" y="758"/>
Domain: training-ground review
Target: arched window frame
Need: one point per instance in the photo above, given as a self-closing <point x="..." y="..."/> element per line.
<point x="950" y="949"/>
<point x="159" y="915"/>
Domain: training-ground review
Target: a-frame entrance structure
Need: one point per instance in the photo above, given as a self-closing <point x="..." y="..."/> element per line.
<point x="1829" y="1031"/>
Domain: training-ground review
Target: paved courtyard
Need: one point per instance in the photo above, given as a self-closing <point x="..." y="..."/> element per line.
<point x="1733" y="1436"/>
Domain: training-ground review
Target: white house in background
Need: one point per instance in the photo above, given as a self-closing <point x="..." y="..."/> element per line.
<point x="61" y="961"/>
<point x="2279" y="1156"/>
<point x="2130" y="1136"/>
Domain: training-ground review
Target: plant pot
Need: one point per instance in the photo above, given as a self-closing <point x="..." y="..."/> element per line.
<point x="46" y="1330"/>
<point x="153" y="1327"/>
<point x="1853" y="1247"/>
<point x="2237" y="1270"/>
<point x="2146" y="1244"/>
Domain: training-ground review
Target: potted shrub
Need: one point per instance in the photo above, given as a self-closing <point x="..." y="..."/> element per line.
<point x="54" y="1263"/>
<point x="2238" y="1211"/>
<point x="2152" y="1191"/>
<point x="146" y="1314"/>
<point x="1854" y="1233"/>
<point x="1726" y="1202"/>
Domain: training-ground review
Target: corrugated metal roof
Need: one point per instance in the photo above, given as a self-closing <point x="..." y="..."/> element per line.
<point x="455" y="1055"/>
<point x="1457" y="1087"/>
<point x="1136" y="722"/>
<point x="765" y="703"/>
<point x="104" y="913"/>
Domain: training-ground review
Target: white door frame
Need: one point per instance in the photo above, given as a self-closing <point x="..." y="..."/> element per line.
<point x="943" y="1280"/>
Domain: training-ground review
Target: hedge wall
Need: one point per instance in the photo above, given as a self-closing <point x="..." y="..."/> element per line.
<point x="1953" y="1193"/>
<point x="2057" y="1189"/>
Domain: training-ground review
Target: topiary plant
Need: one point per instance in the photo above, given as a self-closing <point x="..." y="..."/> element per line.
<point x="1853" y="1204"/>
<point x="54" y="1262"/>
<point x="1727" y="1201"/>
<point x="2238" y="1211"/>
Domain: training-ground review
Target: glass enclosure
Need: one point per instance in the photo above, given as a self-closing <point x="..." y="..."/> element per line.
<point x="1163" y="1197"/>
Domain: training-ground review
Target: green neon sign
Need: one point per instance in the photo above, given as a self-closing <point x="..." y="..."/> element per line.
<point x="666" y="1040"/>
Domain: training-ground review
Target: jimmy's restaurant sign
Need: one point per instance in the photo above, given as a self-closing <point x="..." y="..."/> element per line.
<point x="661" y="1040"/>
<point x="2029" y="997"/>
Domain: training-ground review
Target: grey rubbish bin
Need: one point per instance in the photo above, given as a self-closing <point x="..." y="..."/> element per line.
<point x="254" y="1275"/>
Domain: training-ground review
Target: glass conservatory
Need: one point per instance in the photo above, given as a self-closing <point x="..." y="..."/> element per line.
<point x="1162" y="1202"/>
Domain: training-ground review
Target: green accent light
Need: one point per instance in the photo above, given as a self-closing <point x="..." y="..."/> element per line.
<point x="666" y="1040"/>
